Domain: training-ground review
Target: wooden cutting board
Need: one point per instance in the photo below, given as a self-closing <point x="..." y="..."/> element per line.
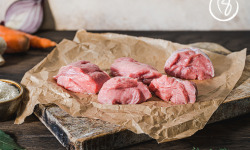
<point x="85" y="133"/>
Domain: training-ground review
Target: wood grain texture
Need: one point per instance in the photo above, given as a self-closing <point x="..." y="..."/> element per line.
<point x="232" y="134"/>
<point x="32" y="135"/>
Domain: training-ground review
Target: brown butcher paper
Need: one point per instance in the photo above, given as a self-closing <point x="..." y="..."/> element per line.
<point x="161" y="120"/>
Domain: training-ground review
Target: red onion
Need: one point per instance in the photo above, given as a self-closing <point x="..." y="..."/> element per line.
<point x="24" y="15"/>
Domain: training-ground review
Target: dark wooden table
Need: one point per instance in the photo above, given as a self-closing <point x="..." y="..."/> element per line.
<point x="230" y="134"/>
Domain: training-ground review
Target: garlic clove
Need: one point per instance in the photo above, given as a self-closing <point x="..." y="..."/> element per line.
<point x="3" y="47"/>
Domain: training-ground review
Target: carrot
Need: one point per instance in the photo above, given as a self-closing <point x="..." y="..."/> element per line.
<point x="35" y="41"/>
<point x="38" y="42"/>
<point x="16" y="43"/>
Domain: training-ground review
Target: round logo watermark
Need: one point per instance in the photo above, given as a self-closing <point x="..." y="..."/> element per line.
<point x="223" y="10"/>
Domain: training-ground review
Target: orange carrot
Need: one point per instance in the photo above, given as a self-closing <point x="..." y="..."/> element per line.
<point x="38" y="42"/>
<point x="35" y="41"/>
<point x="16" y="43"/>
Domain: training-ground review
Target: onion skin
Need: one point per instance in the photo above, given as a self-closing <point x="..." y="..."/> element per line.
<point x="24" y="15"/>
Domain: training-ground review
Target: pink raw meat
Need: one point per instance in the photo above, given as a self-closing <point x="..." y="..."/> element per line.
<point x="176" y="90"/>
<point x="123" y="90"/>
<point x="82" y="77"/>
<point x="129" y="67"/>
<point x="189" y="63"/>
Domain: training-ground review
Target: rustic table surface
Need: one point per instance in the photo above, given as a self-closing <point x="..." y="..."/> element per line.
<point x="229" y="134"/>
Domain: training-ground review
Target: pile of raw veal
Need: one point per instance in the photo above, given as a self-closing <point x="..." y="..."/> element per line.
<point x="161" y="120"/>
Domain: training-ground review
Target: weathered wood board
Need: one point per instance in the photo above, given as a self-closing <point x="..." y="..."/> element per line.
<point x="84" y="133"/>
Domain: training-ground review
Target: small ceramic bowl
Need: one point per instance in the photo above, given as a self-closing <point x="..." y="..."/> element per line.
<point x="8" y="108"/>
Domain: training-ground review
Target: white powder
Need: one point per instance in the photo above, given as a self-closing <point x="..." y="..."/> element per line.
<point x="7" y="91"/>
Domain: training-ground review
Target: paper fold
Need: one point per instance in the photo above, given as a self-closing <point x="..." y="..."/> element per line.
<point x="161" y="120"/>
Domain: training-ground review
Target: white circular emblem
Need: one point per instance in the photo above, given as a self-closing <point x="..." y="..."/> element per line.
<point x="226" y="10"/>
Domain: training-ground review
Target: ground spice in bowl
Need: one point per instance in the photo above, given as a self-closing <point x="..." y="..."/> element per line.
<point x="11" y="94"/>
<point x="7" y="91"/>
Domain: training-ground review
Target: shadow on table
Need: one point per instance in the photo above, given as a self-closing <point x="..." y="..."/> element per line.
<point x="228" y="134"/>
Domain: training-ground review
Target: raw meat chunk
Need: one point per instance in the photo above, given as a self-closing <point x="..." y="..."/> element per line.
<point x="176" y="90"/>
<point x="189" y="63"/>
<point x="129" y="67"/>
<point x="82" y="77"/>
<point x="123" y="90"/>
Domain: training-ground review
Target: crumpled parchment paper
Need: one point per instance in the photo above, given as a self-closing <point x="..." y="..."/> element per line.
<point x="161" y="120"/>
